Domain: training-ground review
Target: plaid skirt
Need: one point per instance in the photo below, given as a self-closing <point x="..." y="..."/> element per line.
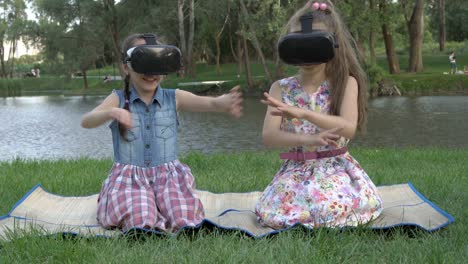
<point x="160" y="197"/>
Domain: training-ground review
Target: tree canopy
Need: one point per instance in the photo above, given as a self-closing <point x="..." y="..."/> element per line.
<point x="78" y="35"/>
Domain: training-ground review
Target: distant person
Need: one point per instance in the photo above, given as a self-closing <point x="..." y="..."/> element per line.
<point x="33" y="73"/>
<point x="38" y="73"/>
<point x="148" y="186"/>
<point x="453" y="63"/>
<point x="107" y="79"/>
<point x="315" y="113"/>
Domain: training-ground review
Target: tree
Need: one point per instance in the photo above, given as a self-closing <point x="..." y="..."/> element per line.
<point x="442" y="34"/>
<point x="447" y="20"/>
<point x="416" y="33"/>
<point x="3" y="29"/>
<point x="71" y="33"/>
<point x="372" y="31"/>
<point x="269" y="18"/>
<point x="112" y="24"/>
<point x="11" y="29"/>
<point x="456" y="22"/>
<point x="186" y="42"/>
<point x="392" y="58"/>
<point x="214" y="20"/>
<point x="253" y="38"/>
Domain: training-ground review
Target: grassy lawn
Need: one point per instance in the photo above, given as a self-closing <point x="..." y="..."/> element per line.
<point x="439" y="174"/>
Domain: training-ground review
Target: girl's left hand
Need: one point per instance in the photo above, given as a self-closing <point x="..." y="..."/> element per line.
<point x="283" y="109"/>
<point x="232" y="102"/>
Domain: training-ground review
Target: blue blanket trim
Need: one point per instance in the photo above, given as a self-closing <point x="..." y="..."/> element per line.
<point x="246" y="232"/>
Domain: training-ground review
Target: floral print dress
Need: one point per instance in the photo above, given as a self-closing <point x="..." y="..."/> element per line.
<point x="332" y="192"/>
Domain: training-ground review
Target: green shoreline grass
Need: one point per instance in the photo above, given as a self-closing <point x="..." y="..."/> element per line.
<point x="432" y="81"/>
<point x="441" y="175"/>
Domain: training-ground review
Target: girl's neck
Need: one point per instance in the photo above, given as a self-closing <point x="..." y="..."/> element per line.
<point x="311" y="77"/>
<point x="146" y="96"/>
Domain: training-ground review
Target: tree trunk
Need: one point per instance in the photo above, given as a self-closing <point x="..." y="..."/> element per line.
<point x="240" y="55"/>
<point x="183" y="44"/>
<point x="2" y="59"/>
<point x="218" y="53"/>
<point x="359" y="45"/>
<point x="256" y="44"/>
<point x="85" y="79"/>
<point x="190" y="39"/>
<point x="372" y="36"/>
<point x="392" y="58"/>
<point x="416" y="33"/>
<point x="248" y="73"/>
<point x="113" y="27"/>
<point x="442" y="34"/>
<point x="218" y="45"/>
<point x="233" y="52"/>
<point x="280" y="73"/>
<point x="12" y="59"/>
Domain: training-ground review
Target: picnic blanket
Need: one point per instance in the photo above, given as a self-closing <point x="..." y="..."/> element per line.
<point x="49" y="213"/>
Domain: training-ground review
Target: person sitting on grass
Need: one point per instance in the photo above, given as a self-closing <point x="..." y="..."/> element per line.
<point x="315" y="113"/>
<point x="148" y="187"/>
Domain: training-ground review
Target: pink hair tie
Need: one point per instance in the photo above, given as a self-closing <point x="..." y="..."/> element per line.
<point x="317" y="6"/>
<point x="126" y="101"/>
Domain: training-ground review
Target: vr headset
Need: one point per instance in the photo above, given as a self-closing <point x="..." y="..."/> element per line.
<point x="154" y="59"/>
<point x="308" y="46"/>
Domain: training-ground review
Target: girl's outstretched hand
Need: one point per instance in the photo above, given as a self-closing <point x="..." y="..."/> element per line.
<point x="282" y="109"/>
<point x="122" y="116"/>
<point x="232" y="102"/>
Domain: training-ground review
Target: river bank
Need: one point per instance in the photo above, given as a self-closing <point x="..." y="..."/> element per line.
<point x="407" y="84"/>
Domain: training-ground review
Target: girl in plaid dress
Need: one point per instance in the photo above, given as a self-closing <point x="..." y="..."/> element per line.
<point x="148" y="187"/>
<point x="314" y="114"/>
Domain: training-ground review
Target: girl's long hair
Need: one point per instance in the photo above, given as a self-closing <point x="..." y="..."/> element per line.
<point x="346" y="61"/>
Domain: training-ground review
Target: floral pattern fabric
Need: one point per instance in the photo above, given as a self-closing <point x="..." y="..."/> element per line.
<point x="332" y="192"/>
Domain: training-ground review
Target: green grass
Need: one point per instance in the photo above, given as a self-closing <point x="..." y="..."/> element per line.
<point x="435" y="63"/>
<point x="440" y="174"/>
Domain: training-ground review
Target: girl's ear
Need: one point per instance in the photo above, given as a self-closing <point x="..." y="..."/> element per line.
<point x="125" y="68"/>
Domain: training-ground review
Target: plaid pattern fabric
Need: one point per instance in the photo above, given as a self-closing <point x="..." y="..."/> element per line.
<point x="160" y="197"/>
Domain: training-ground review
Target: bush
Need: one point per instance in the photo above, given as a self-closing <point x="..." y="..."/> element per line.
<point x="375" y="74"/>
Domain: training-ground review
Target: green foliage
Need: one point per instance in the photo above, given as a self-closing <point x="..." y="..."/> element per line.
<point x="375" y="73"/>
<point x="456" y="15"/>
<point x="10" y="87"/>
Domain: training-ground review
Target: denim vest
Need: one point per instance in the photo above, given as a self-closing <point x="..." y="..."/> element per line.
<point x="153" y="138"/>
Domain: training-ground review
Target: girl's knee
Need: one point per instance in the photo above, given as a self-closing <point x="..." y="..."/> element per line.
<point x="141" y="220"/>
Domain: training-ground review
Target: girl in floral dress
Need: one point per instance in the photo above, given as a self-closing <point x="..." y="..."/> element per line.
<point x="315" y="114"/>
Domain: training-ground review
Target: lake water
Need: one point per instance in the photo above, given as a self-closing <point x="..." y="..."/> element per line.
<point x="48" y="127"/>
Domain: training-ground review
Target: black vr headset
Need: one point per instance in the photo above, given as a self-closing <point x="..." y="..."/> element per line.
<point x="154" y="59"/>
<point x="308" y="46"/>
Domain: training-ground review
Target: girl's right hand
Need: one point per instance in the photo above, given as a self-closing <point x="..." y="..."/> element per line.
<point x="324" y="138"/>
<point x="122" y="116"/>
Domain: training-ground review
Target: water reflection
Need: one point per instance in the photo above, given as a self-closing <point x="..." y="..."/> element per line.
<point x="48" y="127"/>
